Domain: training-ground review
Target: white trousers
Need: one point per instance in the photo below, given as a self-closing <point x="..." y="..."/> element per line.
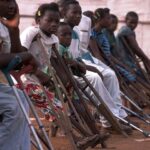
<point x="108" y="88"/>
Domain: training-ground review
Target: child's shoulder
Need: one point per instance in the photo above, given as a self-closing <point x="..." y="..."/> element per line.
<point x="31" y="30"/>
<point x="125" y="30"/>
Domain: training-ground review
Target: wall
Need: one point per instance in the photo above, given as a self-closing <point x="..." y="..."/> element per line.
<point x="118" y="7"/>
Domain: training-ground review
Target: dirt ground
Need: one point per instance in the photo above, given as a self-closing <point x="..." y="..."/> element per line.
<point x="136" y="141"/>
<point x="116" y="142"/>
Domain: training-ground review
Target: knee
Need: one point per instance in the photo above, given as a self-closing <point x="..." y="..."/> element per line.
<point x="110" y="74"/>
<point x="97" y="78"/>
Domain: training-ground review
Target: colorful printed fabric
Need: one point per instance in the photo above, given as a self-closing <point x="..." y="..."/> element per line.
<point x="39" y="99"/>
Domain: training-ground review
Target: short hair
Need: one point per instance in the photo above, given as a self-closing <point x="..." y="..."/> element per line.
<point x="114" y="17"/>
<point x="131" y="14"/>
<point x="46" y="7"/>
<point x="100" y="13"/>
<point x="88" y="13"/>
<point x="69" y="2"/>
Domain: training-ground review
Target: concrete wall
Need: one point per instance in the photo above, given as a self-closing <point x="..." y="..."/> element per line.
<point x="118" y="7"/>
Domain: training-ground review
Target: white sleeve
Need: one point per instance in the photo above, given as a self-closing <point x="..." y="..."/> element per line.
<point x="28" y="35"/>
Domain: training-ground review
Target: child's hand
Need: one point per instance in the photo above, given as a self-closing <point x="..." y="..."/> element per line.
<point x="13" y="23"/>
<point x="82" y="68"/>
<point x="28" y="59"/>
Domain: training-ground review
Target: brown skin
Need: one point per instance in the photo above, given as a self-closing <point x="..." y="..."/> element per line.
<point x="64" y="35"/>
<point x="113" y="25"/>
<point x="73" y="17"/>
<point x="132" y="23"/>
<point x="99" y="25"/>
<point x="10" y="8"/>
<point x="48" y="23"/>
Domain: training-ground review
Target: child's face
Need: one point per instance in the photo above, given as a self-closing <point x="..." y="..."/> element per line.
<point x="132" y="22"/>
<point x="106" y="21"/>
<point x="8" y="8"/>
<point x="64" y="35"/>
<point x="113" y="25"/>
<point x="49" y="22"/>
<point x="73" y="14"/>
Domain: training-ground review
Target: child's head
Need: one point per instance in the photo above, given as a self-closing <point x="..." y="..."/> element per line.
<point x="102" y="17"/>
<point x="64" y="34"/>
<point x="61" y="4"/>
<point x="8" y="8"/>
<point x="132" y="20"/>
<point x="113" y="23"/>
<point x="72" y="13"/>
<point x="47" y="16"/>
<point x="89" y="14"/>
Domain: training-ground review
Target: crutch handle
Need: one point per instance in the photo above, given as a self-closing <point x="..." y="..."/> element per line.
<point x="13" y="64"/>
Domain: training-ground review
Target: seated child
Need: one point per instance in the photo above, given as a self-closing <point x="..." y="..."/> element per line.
<point x="72" y="16"/>
<point x="127" y="31"/>
<point x="114" y="48"/>
<point x="14" y="129"/>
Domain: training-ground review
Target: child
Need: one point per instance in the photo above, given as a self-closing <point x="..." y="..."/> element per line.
<point x="115" y="49"/>
<point x="14" y="130"/>
<point x="72" y="17"/>
<point x="47" y="19"/>
<point x="64" y="34"/>
<point x="39" y="40"/>
<point x="127" y="31"/>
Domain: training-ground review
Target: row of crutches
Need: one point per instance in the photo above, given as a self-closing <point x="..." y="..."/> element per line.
<point x="129" y="90"/>
<point x="81" y="121"/>
<point x="103" y="107"/>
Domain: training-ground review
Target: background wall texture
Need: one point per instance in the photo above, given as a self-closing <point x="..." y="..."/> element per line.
<point x="118" y="7"/>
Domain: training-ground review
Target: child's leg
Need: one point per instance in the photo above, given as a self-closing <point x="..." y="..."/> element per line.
<point x="111" y="84"/>
<point x="13" y="125"/>
<point x="97" y="83"/>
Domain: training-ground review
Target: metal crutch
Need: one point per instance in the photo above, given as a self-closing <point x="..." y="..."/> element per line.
<point x="17" y="76"/>
<point x="16" y="61"/>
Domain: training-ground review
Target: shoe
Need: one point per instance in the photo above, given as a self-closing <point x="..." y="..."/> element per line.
<point x="126" y="128"/>
<point x="102" y="138"/>
<point x="87" y="142"/>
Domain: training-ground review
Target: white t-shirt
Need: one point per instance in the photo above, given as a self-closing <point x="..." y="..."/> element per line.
<point x="27" y="40"/>
<point x="4" y="39"/>
<point x="84" y="30"/>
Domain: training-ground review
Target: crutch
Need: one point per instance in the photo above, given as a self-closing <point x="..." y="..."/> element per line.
<point x="135" y="114"/>
<point x="16" y="61"/>
<point x="17" y="75"/>
<point x="70" y="77"/>
<point x="145" y="133"/>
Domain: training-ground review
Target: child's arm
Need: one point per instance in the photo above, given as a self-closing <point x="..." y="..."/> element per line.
<point x="134" y="45"/>
<point x="43" y="77"/>
<point x="94" y="49"/>
<point x="76" y="65"/>
<point x="27" y="59"/>
<point x="13" y="28"/>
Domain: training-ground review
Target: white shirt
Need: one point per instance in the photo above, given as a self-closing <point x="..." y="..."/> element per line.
<point x="27" y="37"/>
<point x="84" y="30"/>
<point x="4" y="39"/>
